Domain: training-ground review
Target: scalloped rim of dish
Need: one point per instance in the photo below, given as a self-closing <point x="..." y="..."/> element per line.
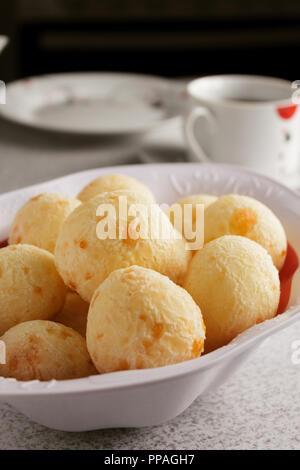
<point x="133" y="378"/>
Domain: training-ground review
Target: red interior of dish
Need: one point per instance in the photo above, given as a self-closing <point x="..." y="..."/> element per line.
<point x="286" y="276"/>
<point x="3" y="244"/>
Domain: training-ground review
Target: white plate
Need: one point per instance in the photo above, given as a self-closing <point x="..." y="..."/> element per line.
<point x="92" y="103"/>
<point x="153" y="396"/>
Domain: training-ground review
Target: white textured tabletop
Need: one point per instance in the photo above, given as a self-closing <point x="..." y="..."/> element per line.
<point x="258" y="408"/>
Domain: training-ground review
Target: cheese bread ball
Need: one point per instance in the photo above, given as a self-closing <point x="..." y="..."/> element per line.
<point x="74" y="313"/>
<point x="114" y="182"/>
<point x="204" y="199"/>
<point x="235" y="284"/>
<point x="44" y="350"/>
<point x="30" y="286"/>
<point x="139" y="319"/>
<point x="40" y="219"/>
<point x="84" y="260"/>
<point x="234" y="214"/>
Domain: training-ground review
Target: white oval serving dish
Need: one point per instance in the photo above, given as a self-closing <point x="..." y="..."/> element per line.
<point x="153" y="396"/>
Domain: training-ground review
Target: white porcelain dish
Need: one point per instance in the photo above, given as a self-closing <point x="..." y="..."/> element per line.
<point x="92" y="103"/>
<point x="153" y="396"/>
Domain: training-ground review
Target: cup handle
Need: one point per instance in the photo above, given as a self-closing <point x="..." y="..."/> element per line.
<point x="194" y="116"/>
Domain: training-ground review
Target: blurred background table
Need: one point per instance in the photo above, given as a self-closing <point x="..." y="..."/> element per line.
<point x="29" y="156"/>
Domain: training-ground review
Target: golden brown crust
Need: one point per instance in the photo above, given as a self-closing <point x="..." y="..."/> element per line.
<point x="30" y="286"/>
<point x="84" y="261"/>
<point x="74" y="313"/>
<point x="111" y="183"/>
<point x="140" y="319"/>
<point x="236" y="285"/>
<point x="234" y="214"/>
<point x="38" y="222"/>
<point x="44" y="350"/>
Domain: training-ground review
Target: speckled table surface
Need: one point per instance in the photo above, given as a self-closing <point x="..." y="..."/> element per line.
<point x="258" y="408"/>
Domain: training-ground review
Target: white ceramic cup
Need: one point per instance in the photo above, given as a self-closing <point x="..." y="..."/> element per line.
<point x="244" y="120"/>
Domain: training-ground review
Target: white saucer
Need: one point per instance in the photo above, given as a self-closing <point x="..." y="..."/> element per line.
<point x="92" y="103"/>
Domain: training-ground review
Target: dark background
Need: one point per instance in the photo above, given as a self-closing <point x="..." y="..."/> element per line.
<point x="165" y="37"/>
